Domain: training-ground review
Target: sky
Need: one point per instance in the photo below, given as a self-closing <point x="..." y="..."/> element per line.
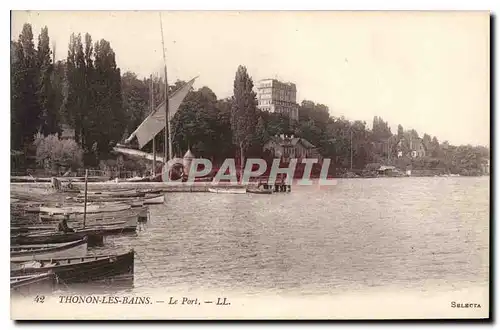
<point x="427" y="71"/>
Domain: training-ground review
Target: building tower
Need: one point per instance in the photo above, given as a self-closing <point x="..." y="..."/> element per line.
<point x="277" y="96"/>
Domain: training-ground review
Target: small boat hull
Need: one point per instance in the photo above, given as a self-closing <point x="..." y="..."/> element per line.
<point x="259" y="191"/>
<point x="127" y="226"/>
<point x="79" y="270"/>
<point x="21" y="253"/>
<point x="115" y="194"/>
<point x="227" y="190"/>
<point x="149" y="191"/>
<point x="91" y="223"/>
<point x="95" y="238"/>
<point x="31" y="285"/>
<point x="155" y="200"/>
<point x="113" y="207"/>
<point x="95" y="217"/>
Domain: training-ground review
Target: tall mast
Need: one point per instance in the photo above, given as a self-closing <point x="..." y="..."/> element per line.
<point x="152" y="108"/>
<point x="351" y="149"/>
<point x="168" y="142"/>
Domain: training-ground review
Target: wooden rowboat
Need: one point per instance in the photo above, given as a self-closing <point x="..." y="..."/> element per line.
<point x="96" y="217"/>
<point x="20" y="253"/>
<point x="228" y="190"/>
<point x="92" y="208"/>
<point x="92" y="223"/>
<point x="154" y="200"/>
<point x="116" y="194"/>
<point x="30" y="285"/>
<point x="148" y="199"/>
<point x="104" y="191"/>
<point x="261" y="190"/>
<point x="75" y="270"/>
<point x="129" y="225"/>
<point x="94" y="238"/>
<point x="151" y="191"/>
<point x="126" y="226"/>
<point x="138" y="179"/>
<point x="124" y="200"/>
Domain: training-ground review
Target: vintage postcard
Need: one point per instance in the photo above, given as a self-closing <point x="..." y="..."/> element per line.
<point x="254" y="165"/>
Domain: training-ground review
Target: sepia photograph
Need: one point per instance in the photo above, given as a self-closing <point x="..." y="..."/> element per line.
<point x="250" y="165"/>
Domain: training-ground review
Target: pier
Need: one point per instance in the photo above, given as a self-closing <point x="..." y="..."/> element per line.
<point x="163" y="186"/>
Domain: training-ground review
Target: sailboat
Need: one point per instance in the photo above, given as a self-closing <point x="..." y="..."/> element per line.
<point x="156" y="121"/>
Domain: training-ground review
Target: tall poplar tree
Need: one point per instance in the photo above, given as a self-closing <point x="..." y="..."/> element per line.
<point x="28" y="106"/>
<point x="70" y="102"/>
<point x="16" y="96"/>
<point x="243" y="112"/>
<point x="48" y="113"/>
<point x="107" y="96"/>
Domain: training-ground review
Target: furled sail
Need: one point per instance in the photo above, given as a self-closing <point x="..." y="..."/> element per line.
<point x="155" y="122"/>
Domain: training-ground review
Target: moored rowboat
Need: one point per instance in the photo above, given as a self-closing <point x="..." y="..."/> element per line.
<point x="20" y="253"/>
<point x="148" y="199"/>
<point x="259" y="191"/>
<point x="119" y="227"/>
<point x="97" y="224"/>
<point x="29" y="285"/>
<point x="96" y="217"/>
<point x="154" y="200"/>
<point x="94" y="238"/>
<point x="85" y="269"/>
<point x="117" y="194"/>
<point x="76" y="209"/>
<point x="151" y="191"/>
<point x="228" y="190"/>
<point x="99" y="208"/>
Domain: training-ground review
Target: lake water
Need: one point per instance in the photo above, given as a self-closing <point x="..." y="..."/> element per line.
<point x="392" y="234"/>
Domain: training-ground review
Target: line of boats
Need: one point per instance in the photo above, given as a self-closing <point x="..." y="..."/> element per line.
<point x="255" y="188"/>
<point x="44" y="254"/>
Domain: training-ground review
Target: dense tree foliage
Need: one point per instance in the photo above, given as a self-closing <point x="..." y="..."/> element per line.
<point x="53" y="153"/>
<point x="87" y="92"/>
<point x="25" y="110"/>
<point x="202" y="126"/>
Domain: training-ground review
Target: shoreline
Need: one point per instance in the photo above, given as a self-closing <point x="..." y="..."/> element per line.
<point x="197" y="186"/>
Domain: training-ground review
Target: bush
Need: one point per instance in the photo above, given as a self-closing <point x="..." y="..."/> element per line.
<point x="53" y="153"/>
<point x="372" y="166"/>
<point x="121" y="164"/>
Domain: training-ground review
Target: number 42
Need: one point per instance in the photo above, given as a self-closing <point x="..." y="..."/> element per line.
<point x="39" y="299"/>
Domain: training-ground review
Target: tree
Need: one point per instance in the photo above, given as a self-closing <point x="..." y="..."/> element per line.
<point x="261" y="135"/>
<point x="319" y="113"/>
<point x="16" y="101"/>
<point x="107" y="100"/>
<point x="426" y="141"/>
<point x="381" y="130"/>
<point x="73" y="87"/>
<point x="434" y="148"/>
<point x="58" y="89"/>
<point x="53" y="153"/>
<point x="26" y="105"/>
<point x="243" y="113"/>
<point x="48" y="112"/>
<point x="276" y="123"/>
<point x="414" y="134"/>
<point x="400" y="131"/>
<point x="135" y="94"/>
<point x="201" y="126"/>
